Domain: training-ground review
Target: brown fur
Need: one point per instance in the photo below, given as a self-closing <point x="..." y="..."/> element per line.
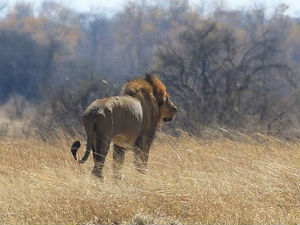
<point x="129" y="120"/>
<point x="148" y="87"/>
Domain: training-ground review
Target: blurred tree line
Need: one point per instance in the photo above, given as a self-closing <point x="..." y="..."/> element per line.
<point x="227" y="68"/>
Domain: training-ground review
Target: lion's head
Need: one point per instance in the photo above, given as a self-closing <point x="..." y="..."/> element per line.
<point x="167" y="110"/>
<point x="150" y="89"/>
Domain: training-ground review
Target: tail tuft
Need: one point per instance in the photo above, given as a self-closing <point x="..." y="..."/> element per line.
<point x="74" y="149"/>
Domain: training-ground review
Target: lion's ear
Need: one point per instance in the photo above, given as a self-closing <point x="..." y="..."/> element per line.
<point x="159" y="89"/>
<point x="150" y="78"/>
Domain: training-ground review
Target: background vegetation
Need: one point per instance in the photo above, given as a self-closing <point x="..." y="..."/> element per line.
<point x="237" y="69"/>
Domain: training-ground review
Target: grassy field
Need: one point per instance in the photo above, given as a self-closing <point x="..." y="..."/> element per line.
<point x="239" y="180"/>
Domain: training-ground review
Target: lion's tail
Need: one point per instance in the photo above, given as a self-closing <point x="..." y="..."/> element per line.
<point x="74" y="149"/>
<point x="89" y="118"/>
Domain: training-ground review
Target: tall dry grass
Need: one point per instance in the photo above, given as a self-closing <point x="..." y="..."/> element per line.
<point x="244" y="180"/>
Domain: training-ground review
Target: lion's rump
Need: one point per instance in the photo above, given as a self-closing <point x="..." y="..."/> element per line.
<point x="120" y="118"/>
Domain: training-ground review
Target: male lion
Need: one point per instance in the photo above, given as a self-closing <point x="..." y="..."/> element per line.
<point x="129" y="121"/>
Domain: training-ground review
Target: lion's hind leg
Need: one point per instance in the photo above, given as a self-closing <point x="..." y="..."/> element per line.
<point x="99" y="154"/>
<point x="118" y="160"/>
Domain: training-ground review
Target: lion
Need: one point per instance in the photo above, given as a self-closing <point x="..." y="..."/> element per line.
<point x="129" y="121"/>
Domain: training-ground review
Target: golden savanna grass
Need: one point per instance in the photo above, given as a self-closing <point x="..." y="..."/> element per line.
<point x="239" y="180"/>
